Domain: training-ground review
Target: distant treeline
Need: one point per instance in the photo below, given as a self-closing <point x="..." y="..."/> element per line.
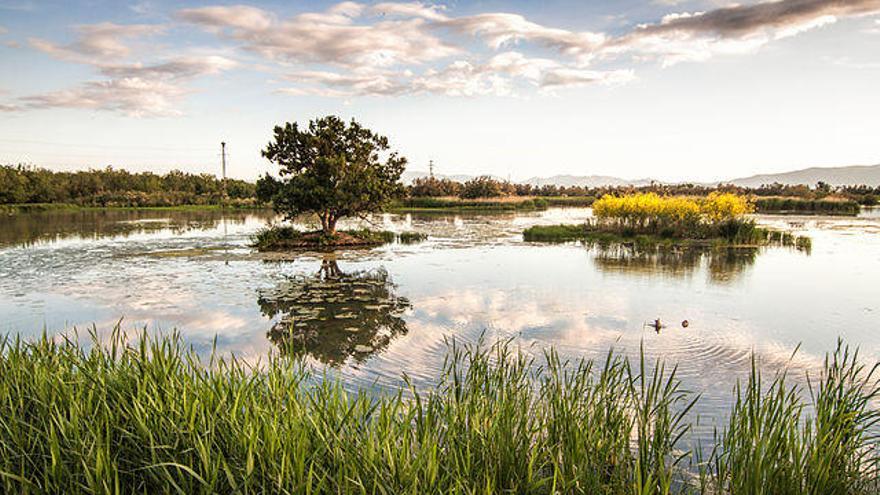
<point x="20" y="184"/>
<point x="487" y="187"/>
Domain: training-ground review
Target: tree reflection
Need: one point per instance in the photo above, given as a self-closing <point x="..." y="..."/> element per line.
<point x="723" y="264"/>
<point x="26" y="229"/>
<point x="333" y="315"/>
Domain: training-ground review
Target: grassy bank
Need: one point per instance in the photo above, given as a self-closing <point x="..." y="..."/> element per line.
<point x="511" y="203"/>
<point x="590" y="232"/>
<point x="152" y="418"/>
<point x="280" y="238"/>
<point x="798" y="206"/>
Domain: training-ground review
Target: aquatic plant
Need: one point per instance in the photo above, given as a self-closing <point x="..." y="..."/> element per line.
<point x="554" y="233"/>
<point x="280" y="237"/>
<point x="825" y="206"/>
<point x="718" y="215"/>
<point x="147" y="415"/>
<point x="772" y="446"/>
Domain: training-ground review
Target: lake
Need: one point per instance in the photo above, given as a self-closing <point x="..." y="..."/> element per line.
<point x="373" y="314"/>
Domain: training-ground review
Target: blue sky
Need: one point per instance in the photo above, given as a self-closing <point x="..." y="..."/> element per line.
<point x="668" y="89"/>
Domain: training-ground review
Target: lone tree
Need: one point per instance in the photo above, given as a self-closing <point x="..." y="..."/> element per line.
<point x="332" y="169"/>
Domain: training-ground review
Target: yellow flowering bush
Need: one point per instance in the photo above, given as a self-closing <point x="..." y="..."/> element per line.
<point x="669" y="215"/>
<point x="719" y="207"/>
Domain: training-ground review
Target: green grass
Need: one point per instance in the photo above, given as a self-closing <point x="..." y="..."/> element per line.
<point x="735" y="232"/>
<point x="281" y="237"/>
<point x="807" y="206"/>
<point x="555" y="233"/>
<point x="150" y="417"/>
<point x="771" y="445"/>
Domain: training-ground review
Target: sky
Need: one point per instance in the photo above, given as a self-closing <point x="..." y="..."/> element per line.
<point x="673" y="90"/>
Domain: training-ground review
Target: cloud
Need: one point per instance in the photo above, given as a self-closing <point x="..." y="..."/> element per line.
<point x="500" y="29"/>
<point x="734" y="30"/>
<point x="97" y="42"/>
<point x="238" y="17"/>
<point x="131" y="96"/>
<point x="743" y="20"/>
<point x="329" y="37"/>
<point x="406" y="48"/>
<point x="132" y="88"/>
<point x="3" y="30"/>
<point x="414" y="9"/>
<point x="135" y="90"/>
<point x="499" y="76"/>
<point x="567" y="77"/>
<point x="178" y="68"/>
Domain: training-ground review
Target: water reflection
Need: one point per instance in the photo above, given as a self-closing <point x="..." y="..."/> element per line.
<point x="335" y="315"/>
<point x="32" y="228"/>
<point x="723" y="264"/>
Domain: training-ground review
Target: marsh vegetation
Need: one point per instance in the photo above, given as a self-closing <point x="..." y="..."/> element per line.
<point x="646" y="219"/>
<point x="285" y="237"/>
<point x="148" y="415"/>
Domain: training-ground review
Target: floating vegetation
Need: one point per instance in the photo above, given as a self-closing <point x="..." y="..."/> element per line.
<point x="555" y="233"/>
<point x="280" y="238"/>
<point x="147" y="416"/>
<point x="332" y="315"/>
<point x="411" y="237"/>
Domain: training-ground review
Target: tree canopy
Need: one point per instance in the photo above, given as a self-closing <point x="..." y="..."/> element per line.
<point x="332" y="169"/>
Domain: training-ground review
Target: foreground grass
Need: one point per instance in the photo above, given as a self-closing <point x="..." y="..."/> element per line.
<point x="152" y="418"/>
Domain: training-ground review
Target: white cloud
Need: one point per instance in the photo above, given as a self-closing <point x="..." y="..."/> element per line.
<point x="500" y="29"/>
<point x="132" y="88"/>
<point x="97" y="42"/>
<point x="178" y="68"/>
<point x="735" y="29"/>
<point x="239" y="17"/>
<point x="414" y="9"/>
<point x="567" y="77"/>
<point x="405" y="48"/>
<point x="131" y="96"/>
<point x="330" y="37"/>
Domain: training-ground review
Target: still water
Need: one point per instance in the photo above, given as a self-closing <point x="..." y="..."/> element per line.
<point x="373" y="314"/>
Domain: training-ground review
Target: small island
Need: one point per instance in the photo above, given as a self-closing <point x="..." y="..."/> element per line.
<point x="331" y="170"/>
<point x="648" y="219"/>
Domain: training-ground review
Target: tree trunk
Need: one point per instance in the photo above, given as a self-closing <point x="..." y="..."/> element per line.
<point x="330" y="229"/>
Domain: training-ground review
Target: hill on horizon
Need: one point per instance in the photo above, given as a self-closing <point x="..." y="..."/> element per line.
<point x="837" y="176"/>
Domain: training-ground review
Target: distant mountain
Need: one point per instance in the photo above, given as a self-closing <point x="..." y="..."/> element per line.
<point x="837" y="176"/>
<point x="585" y="181"/>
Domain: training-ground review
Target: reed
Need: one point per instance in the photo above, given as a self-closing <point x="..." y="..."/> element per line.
<point x="146" y="415"/>
<point x="801" y="206"/>
<point x="771" y="445"/>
